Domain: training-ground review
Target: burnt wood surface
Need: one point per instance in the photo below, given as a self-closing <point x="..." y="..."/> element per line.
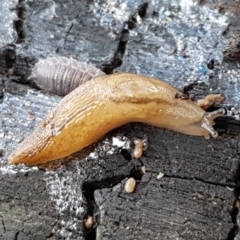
<point x="197" y="198"/>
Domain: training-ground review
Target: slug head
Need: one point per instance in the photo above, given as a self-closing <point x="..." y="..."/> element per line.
<point x="203" y="127"/>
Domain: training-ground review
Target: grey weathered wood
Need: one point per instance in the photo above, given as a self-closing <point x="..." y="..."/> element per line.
<point x="191" y="195"/>
<point x="191" y="201"/>
<point x="25" y="210"/>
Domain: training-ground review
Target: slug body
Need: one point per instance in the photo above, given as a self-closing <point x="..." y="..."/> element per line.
<point x="107" y="102"/>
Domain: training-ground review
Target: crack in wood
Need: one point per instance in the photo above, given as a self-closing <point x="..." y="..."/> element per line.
<point x="16" y="235"/>
<point x="121" y="48"/>
<point x="4" y="228"/>
<point x="88" y="189"/>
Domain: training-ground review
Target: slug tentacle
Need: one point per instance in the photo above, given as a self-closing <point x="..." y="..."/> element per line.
<point x="208" y="121"/>
<point x="104" y="103"/>
<point x="210" y="130"/>
<point x="210" y="116"/>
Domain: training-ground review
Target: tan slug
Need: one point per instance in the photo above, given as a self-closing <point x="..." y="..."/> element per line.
<point x="107" y="102"/>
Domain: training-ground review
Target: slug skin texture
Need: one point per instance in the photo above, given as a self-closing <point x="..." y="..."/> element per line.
<point x="107" y="102"/>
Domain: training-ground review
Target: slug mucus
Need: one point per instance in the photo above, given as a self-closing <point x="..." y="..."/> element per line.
<point x="104" y="103"/>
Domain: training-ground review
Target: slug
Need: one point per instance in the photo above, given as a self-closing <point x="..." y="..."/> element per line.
<point x="104" y="103"/>
<point x="61" y="75"/>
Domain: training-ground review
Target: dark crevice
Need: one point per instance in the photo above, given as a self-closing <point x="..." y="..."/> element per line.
<point x="20" y="23"/>
<point x="143" y="10"/>
<point x="120" y="51"/>
<point x="126" y="154"/>
<point x="10" y="49"/>
<point x="233" y="232"/>
<point x="20" y="27"/>
<point x="132" y="23"/>
<point x="233" y="214"/>
<point x="22" y="10"/>
<point x="118" y="56"/>
<point x="136" y="173"/>
<point x="16" y="235"/>
<point x="189" y="88"/>
<point x="227" y="125"/>
<point x="88" y="189"/>
<point x="230" y="185"/>
<point x="237" y="182"/>
<point x="10" y="55"/>
<point x="2" y="90"/>
<point x="4" y="228"/>
<point x="65" y="40"/>
<point x="50" y="235"/>
<point x="236" y="204"/>
<point x="210" y="64"/>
